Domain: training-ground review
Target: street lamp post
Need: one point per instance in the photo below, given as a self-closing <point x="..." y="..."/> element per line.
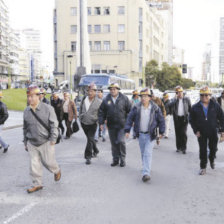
<point x="70" y="62"/>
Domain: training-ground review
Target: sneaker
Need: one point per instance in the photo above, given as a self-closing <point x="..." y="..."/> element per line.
<point x="6" y="149"/>
<point x="202" y="172"/>
<point x="34" y="189"/>
<point x="57" y="176"/>
<point x="146" y="178"/>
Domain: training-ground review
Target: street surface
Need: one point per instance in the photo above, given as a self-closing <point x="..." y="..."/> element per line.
<point x="100" y="194"/>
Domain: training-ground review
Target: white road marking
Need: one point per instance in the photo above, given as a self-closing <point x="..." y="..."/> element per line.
<point x="20" y="213"/>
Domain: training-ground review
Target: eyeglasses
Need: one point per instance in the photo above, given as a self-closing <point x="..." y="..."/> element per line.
<point x="202" y="95"/>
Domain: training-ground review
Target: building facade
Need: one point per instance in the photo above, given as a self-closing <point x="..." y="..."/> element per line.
<point x="123" y="37"/>
<point x="221" y="50"/>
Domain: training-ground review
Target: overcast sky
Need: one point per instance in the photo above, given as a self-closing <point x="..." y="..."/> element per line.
<point x="196" y="22"/>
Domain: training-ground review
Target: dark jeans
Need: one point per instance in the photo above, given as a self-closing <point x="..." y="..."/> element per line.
<point x="117" y="139"/>
<point x="180" y="126"/>
<point x="60" y="125"/>
<point x="90" y="131"/>
<point x="68" y="125"/>
<point x="204" y="143"/>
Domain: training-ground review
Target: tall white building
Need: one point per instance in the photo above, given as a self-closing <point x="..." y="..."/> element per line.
<point x="206" y="64"/>
<point x="123" y="37"/>
<point x="221" y="50"/>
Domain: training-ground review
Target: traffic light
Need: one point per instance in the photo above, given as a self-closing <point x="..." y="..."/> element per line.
<point x="184" y="68"/>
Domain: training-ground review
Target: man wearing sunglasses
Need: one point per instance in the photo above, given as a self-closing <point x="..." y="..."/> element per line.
<point x="181" y="107"/>
<point x="204" y="118"/>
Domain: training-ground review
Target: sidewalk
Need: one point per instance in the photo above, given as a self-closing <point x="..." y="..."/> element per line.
<point x="15" y="120"/>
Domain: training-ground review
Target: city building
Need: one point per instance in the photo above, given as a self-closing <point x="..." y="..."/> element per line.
<point x="4" y="45"/>
<point x="123" y="37"/>
<point x="178" y="58"/>
<point x="206" y="64"/>
<point x="221" y="50"/>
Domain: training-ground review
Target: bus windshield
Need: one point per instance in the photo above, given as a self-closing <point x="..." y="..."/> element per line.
<point x="98" y="80"/>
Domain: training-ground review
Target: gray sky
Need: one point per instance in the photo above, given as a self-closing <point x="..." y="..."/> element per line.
<point x="196" y="22"/>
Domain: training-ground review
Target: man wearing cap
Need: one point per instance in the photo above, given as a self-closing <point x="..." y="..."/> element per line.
<point x="42" y="96"/>
<point x="57" y="103"/>
<point x="135" y="98"/>
<point x="166" y="103"/>
<point x="3" y="117"/>
<point x="39" y="139"/>
<point x="204" y="118"/>
<point x="115" y="108"/>
<point x="181" y="107"/>
<point x="88" y="115"/>
<point x="146" y="117"/>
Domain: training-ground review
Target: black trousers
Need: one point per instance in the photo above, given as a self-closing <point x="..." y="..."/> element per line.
<point x="68" y="125"/>
<point x="206" y="142"/>
<point x="90" y="131"/>
<point x="180" y="126"/>
<point x="60" y="125"/>
<point x="117" y="139"/>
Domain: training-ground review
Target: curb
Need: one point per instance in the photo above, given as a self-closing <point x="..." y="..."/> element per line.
<point x="12" y="127"/>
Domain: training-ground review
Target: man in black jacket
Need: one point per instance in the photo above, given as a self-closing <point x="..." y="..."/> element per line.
<point x="204" y="118"/>
<point x="115" y="108"/>
<point x="57" y="103"/>
<point x="181" y="107"/>
<point x="3" y="117"/>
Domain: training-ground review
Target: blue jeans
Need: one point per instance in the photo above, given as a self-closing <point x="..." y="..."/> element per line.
<point x="2" y="143"/>
<point x="146" y="147"/>
<point x="103" y="132"/>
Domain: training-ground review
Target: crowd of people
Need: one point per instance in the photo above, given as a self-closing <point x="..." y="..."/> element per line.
<point x="145" y="114"/>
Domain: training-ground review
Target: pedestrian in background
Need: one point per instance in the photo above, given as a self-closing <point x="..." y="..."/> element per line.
<point x="100" y="133"/>
<point x="3" y="117"/>
<point x="69" y="113"/>
<point x="88" y="115"/>
<point x="181" y="107"/>
<point x="147" y="117"/>
<point x="114" y="109"/>
<point x="220" y="100"/>
<point x="43" y="96"/>
<point x="38" y="140"/>
<point x="57" y="103"/>
<point x="204" y="119"/>
<point x="166" y="102"/>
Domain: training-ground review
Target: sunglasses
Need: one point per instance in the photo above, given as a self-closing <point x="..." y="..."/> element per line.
<point x="202" y="95"/>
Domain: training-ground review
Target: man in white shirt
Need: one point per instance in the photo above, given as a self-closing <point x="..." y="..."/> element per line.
<point x="181" y="107"/>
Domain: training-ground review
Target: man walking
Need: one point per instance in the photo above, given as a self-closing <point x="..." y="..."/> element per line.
<point x="146" y="117"/>
<point x="3" y="117"/>
<point x="166" y="103"/>
<point x="88" y="115"/>
<point x="181" y="107"/>
<point x="40" y="134"/>
<point x="43" y="96"/>
<point x="204" y="118"/>
<point x="57" y="103"/>
<point x="115" y="108"/>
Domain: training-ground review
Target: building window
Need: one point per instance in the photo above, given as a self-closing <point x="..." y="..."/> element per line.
<point x="97" y="46"/>
<point x="73" y="11"/>
<point x="73" y="46"/>
<point x="121" y="28"/>
<point x="89" y="11"/>
<point x="73" y="29"/>
<point x="106" y="28"/>
<point x="89" y="28"/>
<point x="121" y="10"/>
<point x="106" y="10"/>
<point x="97" y="28"/>
<point x="121" y="45"/>
<point x="106" y="45"/>
<point x="97" y="11"/>
<point x="90" y="46"/>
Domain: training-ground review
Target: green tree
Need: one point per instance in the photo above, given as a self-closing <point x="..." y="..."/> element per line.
<point x="151" y="72"/>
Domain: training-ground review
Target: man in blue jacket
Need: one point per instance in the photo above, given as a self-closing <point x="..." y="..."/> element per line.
<point x="146" y="117"/>
<point x="205" y="117"/>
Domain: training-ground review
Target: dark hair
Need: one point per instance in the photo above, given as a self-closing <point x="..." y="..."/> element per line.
<point x="100" y="90"/>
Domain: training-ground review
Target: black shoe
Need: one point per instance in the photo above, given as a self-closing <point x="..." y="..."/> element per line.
<point x="122" y="164"/>
<point x="95" y="154"/>
<point x="212" y="164"/>
<point x="178" y="150"/>
<point x="146" y="178"/>
<point x="104" y="140"/>
<point x="6" y="149"/>
<point x="88" y="162"/>
<point x="114" y="163"/>
<point x="184" y="151"/>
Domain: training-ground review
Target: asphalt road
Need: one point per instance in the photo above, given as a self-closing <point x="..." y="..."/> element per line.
<point x="100" y="194"/>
